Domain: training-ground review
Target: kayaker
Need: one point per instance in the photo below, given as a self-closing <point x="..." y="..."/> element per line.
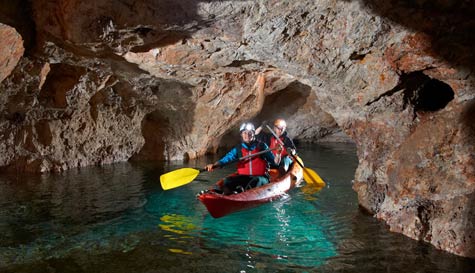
<point x="280" y="127"/>
<point x="252" y="172"/>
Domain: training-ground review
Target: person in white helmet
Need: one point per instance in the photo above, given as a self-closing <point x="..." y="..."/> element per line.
<point x="280" y="127"/>
<point x="251" y="172"/>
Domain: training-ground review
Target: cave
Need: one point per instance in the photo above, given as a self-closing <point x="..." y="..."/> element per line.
<point x="424" y="93"/>
<point x="433" y="96"/>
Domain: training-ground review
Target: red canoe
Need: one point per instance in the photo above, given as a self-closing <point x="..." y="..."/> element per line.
<point x="219" y="205"/>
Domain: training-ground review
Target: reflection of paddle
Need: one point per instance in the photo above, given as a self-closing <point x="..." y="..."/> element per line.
<point x="177" y="223"/>
<point x="309" y="175"/>
<point x="184" y="176"/>
<point x="310" y="189"/>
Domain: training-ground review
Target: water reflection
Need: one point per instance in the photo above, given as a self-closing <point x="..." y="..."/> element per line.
<point x="286" y="231"/>
<point x="46" y="212"/>
<point x="178" y="224"/>
<point x="181" y="225"/>
<point x="310" y="191"/>
<point x="74" y="198"/>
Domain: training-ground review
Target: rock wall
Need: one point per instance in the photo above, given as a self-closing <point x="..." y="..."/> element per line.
<point x="111" y="81"/>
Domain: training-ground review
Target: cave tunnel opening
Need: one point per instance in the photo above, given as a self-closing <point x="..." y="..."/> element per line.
<point x="434" y="96"/>
<point x="283" y="103"/>
<point x="426" y="94"/>
<point x="154" y="126"/>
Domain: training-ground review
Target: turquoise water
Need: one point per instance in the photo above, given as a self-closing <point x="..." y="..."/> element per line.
<point x="117" y="218"/>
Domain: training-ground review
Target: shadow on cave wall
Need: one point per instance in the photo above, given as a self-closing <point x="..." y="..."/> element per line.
<point x="18" y="15"/>
<point x="449" y="23"/>
<point x="467" y="120"/>
<point x="281" y="104"/>
<point x="468" y="131"/>
<point x="422" y="92"/>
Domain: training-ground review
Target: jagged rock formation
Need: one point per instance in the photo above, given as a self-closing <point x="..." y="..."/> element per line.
<point x="111" y="81"/>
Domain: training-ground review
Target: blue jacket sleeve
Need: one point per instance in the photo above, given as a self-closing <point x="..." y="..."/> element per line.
<point x="229" y="157"/>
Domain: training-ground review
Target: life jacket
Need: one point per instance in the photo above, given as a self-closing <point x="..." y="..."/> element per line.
<point x="274" y="143"/>
<point x="254" y="165"/>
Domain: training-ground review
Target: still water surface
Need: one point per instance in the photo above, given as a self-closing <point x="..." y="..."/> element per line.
<point x="118" y="219"/>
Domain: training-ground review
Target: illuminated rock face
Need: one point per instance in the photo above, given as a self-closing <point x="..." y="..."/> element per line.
<point x="11" y="47"/>
<point x="105" y="82"/>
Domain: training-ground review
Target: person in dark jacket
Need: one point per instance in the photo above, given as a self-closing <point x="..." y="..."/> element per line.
<point x="280" y="127"/>
<point x="251" y="172"/>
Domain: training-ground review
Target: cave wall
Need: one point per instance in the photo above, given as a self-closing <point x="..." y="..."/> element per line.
<point x="93" y="83"/>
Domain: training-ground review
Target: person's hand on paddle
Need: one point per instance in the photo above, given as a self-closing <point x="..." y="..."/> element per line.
<point x="261" y="127"/>
<point x="279" y="150"/>
<point x="209" y="167"/>
<point x="278" y="155"/>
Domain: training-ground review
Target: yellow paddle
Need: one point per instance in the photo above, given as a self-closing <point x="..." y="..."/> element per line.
<point x="178" y="177"/>
<point x="184" y="176"/>
<point x="309" y="175"/>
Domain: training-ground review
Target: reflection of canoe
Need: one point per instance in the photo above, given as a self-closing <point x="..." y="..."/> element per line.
<point x="220" y="205"/>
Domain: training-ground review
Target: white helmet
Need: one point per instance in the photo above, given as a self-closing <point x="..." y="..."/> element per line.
<point x="280" y="123"/>
<point x="247" y="126"/>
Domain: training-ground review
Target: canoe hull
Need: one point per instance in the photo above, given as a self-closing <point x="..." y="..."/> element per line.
<point x="219" y="205"/>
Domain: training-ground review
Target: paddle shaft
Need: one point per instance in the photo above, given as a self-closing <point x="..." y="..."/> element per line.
<point x="258" y="153"/>
<point x="184" y="176"/>
<point x="243" y="158"/>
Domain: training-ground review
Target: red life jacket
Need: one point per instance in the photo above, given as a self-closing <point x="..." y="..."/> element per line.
<point x="252" y="166"/>
<point x="274" y="143"/>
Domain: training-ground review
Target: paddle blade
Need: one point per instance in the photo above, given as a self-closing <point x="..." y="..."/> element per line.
<point x="310" y="176"/>
<point x="178" y="178"/>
